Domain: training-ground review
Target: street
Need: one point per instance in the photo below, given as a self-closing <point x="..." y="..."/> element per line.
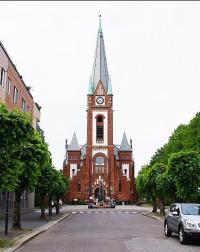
<point x="107" y="230"/>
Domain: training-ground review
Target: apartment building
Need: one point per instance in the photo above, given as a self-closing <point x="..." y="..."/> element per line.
<point x="14" y="93"/>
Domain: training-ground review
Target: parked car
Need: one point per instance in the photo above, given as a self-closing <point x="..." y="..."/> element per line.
<point x="183" y="219"/>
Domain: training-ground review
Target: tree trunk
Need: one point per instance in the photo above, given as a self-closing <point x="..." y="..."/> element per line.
<point x="162" y="207"/>
<point x="154" y="206"/>
<point x="50" y="205"/>
<point x="16" y="224"/>
<point x="57" y="206"/>
<point x="42" y="215"/>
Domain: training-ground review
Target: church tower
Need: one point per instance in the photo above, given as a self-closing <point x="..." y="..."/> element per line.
<point x="99" y="169"/>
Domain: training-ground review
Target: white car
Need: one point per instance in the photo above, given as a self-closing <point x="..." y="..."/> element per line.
<point x="183" y="219"/>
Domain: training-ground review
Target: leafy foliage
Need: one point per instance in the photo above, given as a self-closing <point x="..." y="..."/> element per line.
<point x="181" y="179"/>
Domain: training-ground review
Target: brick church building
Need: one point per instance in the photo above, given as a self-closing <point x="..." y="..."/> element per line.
<point x="100" y="169"/>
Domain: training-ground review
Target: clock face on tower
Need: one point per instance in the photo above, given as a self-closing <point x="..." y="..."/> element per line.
<point x="100" y="100"/>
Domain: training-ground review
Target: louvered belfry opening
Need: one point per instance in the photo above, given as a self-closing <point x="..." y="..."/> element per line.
<point x="99" y="128"/>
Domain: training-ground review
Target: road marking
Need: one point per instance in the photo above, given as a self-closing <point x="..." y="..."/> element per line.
<point x="96" y="212"/>
<point x="103" y="212"/>
<point x="88" y="212"/>
<point x="134" y="212"/>
<point x="127" y="212"/>
<point x="111" y="212"/>
<point x="81" y="212"/>
<point x="119" y="212"/>
<point x="73" y="212"/>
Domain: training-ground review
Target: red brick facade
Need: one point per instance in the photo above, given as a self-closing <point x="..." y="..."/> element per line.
<point x="85" y="182"/>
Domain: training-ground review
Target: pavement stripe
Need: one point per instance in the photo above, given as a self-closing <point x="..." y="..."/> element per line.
<point x="119" y="212"/>
<point x="81" y="212"/>
<point x="111" y="212"/>
<point x="103" y="212"/>
<point x="127" y="212"/>
<point x="73" y="212"/>
<point x="88" y="212"/>
<point x="134" y="212"/>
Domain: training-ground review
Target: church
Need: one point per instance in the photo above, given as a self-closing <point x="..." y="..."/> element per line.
<point x="99" y="169"/>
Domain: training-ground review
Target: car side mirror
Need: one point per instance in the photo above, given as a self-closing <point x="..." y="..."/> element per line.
<point x="175" y="213"/>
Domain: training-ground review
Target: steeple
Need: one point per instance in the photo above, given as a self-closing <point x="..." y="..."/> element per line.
<point x="90" y="88"/>
<point x="74" y="143"/>
<point x="100" y="71"/>
<point x="109" y="87"/>
<point x="124" y="144"/>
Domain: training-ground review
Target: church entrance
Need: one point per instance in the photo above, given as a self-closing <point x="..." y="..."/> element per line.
<point x="99" y="194"/>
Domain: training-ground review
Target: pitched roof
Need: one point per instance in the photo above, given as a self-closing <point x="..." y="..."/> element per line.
<point x="125" y="146"/>
<point x="100" y="71"/>
<point x="74" y="143"/>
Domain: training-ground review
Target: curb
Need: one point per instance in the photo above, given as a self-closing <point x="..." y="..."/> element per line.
<point x="33" y="234"/>
<point x="153" y="217"/>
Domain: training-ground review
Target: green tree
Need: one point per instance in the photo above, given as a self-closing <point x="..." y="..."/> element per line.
<point x="15" y="132"/>
<point x="185" y="166"/>
<point x="141" y="182"/>
<point x="34" y="155"/>
<point x="44" y="185"/>
<point x="61" y="187"/>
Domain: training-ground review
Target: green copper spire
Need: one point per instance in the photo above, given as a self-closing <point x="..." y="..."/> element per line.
<point x="90" y="89"/>
<point x="109" y="87"/>
<point x="100" y="29"/>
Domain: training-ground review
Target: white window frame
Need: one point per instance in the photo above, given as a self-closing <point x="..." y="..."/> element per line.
<point x="9" y="86"/>
<point x="15" y="95"/>
<point x="3" y="75"/>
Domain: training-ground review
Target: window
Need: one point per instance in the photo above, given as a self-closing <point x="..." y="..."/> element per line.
<point x="120" y="186"/>
<point x="73" y="171"/>
<point x="9" y="86"/>
<point x="99" y="133"/>
<point x="99" y="128"/>
<point x="99" y="169"/>
<point x="99" y="160"/>
<point x="99" y="119"/>
<point x="23" y="105"/>
<point x="79" y="186"/>
<point x="15" y="95"/>
<point x="125" y="171"/>
<point x="2" y="79"/>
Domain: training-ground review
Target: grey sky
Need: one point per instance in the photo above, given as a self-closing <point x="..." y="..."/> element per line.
<point x="153" y="56"/>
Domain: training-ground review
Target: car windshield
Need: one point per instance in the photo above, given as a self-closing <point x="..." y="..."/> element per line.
<point x="191" y="209"/>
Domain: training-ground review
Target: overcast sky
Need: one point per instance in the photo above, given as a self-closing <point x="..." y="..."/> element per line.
<point x="153" y="56"/>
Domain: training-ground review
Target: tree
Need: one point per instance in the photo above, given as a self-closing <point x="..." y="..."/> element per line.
<point x="185" y="166"/>
<point x="34" y="155"/>
<point x="15" y="132"/>
<point x="61" y="187"/>
<point x="141" y="182"/>
<point x="44" y="185"/>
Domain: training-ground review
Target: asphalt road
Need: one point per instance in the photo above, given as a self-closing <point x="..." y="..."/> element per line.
<point x="107" y="231"/>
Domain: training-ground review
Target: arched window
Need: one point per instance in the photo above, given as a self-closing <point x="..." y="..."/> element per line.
<point x="99" y="164"/>
<point x="99" y="128"/>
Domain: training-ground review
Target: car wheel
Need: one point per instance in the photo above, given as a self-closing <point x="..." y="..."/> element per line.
<point x="182" y="236"/>
<point x="167" y="231"/>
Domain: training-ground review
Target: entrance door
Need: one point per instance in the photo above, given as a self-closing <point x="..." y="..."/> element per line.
<point x="99" y="194"/>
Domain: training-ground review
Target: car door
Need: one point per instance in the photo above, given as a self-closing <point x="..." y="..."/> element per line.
<point x="176" y="218"/>
<point x="170" y="217"/>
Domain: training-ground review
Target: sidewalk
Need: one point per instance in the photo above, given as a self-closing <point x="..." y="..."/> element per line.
<point x="32" y="225"/>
